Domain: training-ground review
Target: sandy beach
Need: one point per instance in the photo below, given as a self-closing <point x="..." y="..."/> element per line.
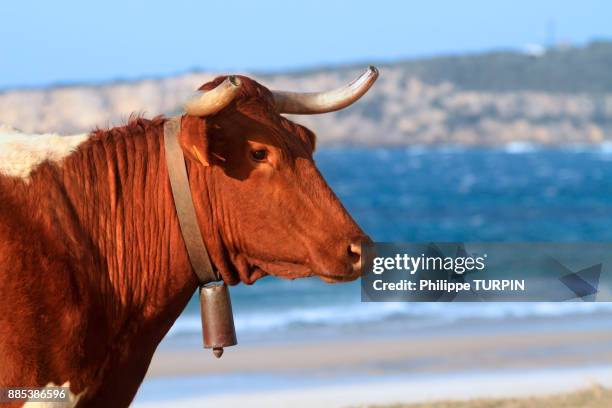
<point x="510" y="358"/>
<point x="410" y="390"/>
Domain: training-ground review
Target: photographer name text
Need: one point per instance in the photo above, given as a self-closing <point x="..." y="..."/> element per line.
<point x="455" y="266"/>
<point x="451" y="287"/>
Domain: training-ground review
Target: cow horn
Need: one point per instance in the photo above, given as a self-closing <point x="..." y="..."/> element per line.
<point x="211" y="102"/>
<point x="310" y="103"/>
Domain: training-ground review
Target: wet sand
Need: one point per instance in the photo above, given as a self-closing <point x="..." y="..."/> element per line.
<point x="516" y="348"/>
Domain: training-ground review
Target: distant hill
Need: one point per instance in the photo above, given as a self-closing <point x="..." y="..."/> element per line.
<point x="558" y="70"/>
<point x="561" y="96"/>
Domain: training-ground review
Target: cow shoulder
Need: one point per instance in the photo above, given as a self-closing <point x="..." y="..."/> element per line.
<point x="21" y="153"/>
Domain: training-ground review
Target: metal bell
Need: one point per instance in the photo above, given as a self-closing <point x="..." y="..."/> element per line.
<point x="217" y="318"/>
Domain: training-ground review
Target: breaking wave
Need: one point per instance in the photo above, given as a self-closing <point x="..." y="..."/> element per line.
<point x="410" y="315"/>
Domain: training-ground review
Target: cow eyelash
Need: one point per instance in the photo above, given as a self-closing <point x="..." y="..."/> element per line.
<point x="259" y="155"/>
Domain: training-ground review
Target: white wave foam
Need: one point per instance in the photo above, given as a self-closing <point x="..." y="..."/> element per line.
<point x="605" y="147"/>
<point x="360" y="313"/>
<point x="520" y="147"/>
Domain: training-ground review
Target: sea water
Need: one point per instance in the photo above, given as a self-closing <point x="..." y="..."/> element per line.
<point x="418" y="194"/>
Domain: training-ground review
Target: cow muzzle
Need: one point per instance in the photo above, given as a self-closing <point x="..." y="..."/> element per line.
<point x="344" y="265"/>
<point x="354" y="251"/>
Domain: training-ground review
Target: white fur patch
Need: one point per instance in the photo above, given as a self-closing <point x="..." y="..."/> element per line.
<point x="72" y="399"/>
<point x="21" y="153"/>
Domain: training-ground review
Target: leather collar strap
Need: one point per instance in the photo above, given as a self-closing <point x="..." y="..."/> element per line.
<point x="183" y="201"/>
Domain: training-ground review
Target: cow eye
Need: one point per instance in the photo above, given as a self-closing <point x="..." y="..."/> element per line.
<point x="259" y="154"/>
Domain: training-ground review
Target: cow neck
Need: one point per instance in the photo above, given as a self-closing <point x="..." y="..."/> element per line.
<point x="114" y="273"/>
<point x="183" y="202"/>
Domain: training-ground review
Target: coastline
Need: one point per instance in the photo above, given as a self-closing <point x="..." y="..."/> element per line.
<point x="520" y="357"/>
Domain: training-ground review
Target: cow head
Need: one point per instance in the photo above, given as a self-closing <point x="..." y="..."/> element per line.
<point x="254" y="181"/>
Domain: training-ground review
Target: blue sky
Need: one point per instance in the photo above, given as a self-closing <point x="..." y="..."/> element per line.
<point x="63" y="41"/>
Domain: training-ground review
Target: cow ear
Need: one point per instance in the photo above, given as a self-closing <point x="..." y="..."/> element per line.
<point x="195" y="139"/>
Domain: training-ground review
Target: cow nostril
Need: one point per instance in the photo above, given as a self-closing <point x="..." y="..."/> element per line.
<point x="354" y="251"/>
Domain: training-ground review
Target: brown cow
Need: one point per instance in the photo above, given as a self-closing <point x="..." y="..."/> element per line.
<point x="93" y="267"/>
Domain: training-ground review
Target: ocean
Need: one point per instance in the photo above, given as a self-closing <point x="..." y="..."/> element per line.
<point x="513" y="194"/>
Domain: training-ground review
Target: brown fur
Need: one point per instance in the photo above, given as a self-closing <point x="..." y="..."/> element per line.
<point x="93" y="269"/>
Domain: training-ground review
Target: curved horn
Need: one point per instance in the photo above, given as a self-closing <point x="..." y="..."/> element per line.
<point x="211" y="102"/>
<point x="310" y="103"/>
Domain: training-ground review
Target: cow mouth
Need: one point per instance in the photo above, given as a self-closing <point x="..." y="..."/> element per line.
<point x="282" y="269"/>
<point x="294" y="270"/>
<point x="332" y="278"/>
